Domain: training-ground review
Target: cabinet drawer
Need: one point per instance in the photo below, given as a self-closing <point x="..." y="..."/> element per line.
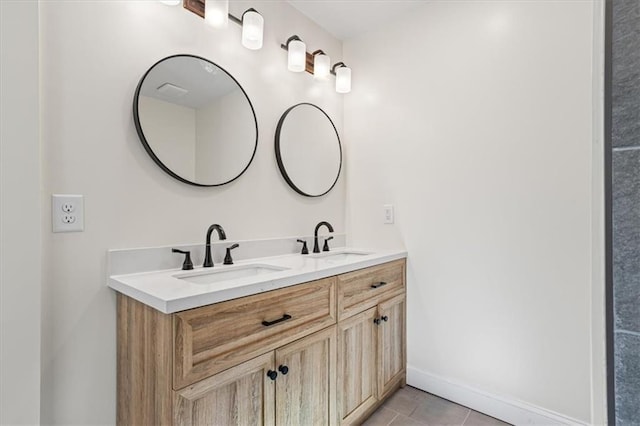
<point x="216" y="337"/>
<point x="363" y="289"/>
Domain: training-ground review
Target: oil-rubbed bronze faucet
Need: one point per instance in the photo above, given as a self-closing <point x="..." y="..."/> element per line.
<point x="316" y="247"/>
<point x="208" y="261"/>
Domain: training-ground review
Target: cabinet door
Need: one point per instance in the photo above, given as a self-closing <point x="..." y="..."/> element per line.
<point x="305" y="387"/>
<point x="357" y="368"/>
<point x="242" y="395"/>
<point x="391" y="343"/>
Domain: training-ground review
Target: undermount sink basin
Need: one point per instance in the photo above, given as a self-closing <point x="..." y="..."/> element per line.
<point x="226" y="273"/>
<point x="344" y="256"/>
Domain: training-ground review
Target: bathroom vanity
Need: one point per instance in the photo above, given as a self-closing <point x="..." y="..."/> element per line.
<point x="293" y="350"/>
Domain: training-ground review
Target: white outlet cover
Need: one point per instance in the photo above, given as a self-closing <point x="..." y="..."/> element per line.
<point x="63" y="218"/>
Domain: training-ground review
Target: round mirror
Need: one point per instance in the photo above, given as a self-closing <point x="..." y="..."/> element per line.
<point x="308" y="150"/>
<point x="195" y="121"/>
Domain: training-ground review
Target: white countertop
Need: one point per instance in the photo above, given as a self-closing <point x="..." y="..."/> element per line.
<point x="164" y="291"/>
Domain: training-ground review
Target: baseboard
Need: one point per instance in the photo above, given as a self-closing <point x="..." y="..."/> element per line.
<point x="503" y="408"/>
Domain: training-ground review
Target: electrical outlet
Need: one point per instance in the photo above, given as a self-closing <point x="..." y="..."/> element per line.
<point x="388" y="213"/>
<point x="68" y="218"/>
<point x="67" y="213"/>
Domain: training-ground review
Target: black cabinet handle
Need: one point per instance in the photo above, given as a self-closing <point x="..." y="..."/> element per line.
<point x="376" y="321"/>
<point x="272" y="374"/>
<point x="384" y="318"/>
<point x="283" y="369"/>
<point x="269" y="323"/>
<point x="378" y="285"/>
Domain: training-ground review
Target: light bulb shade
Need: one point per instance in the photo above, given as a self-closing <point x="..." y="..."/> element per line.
<point x="252" y="30"/>
<point x="171" y="2"/>
<point x="321" y="66"/>
<point x="297" y="58"/>
<point x="343" y="80"/>
<point x="216" y="13"/>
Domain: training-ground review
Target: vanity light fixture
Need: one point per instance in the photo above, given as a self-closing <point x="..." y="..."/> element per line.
<point x="343" y="77"/>
<point x="317" y="63"/>
<point x="297" y="57"/>
<point x="216" y="13"/>
<point x="321" y="65"/>
<point x="252" y="29"/>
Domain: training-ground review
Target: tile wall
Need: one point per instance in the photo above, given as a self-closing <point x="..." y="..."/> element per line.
<point x="626" y="208"/>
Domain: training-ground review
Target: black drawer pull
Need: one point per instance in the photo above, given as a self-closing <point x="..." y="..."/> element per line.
<point x="384" y="318"/>
<point x="378" y="285"/>
<point x="284" y="318"/>
<point x="376" y="321"/>
<point x="272" y="374"/>
<point x="283" y="369"/>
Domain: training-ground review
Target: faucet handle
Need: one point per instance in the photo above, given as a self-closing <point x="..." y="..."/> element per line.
<point x="326" y="243"/>
<point x="227" y="259"/>
<point x="305" y="250"/>
<point x="187" y="264"/>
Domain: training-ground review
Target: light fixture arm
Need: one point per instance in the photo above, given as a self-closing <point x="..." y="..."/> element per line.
<point x="318" y="52"/>
<point x="236" y="20"/>
<point x="289" y="40"/>
<point x="338" y="64"/>
<point x="249" y="10"/>
<point x="239" y="20"/>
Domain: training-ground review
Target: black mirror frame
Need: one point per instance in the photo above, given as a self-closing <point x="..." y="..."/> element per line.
<point x="283" y="170"/>
<point x="147" y="147"/>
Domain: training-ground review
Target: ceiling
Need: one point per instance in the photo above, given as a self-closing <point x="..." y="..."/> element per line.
<point x="347" y="19"/>
<point x="193" y="82"/>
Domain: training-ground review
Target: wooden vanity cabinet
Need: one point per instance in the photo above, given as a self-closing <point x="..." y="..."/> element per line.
<point x="324" y="357"/>
<point x="371" y="338"/>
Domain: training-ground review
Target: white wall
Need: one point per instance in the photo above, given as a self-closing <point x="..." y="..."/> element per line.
<point x="474" y="118"/>
<point x="93" y="54"/>
<point x="598" y="249"/>
<point x="20" y="233"/>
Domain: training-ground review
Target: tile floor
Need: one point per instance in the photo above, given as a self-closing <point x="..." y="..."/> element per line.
<point x="412" y="407"/>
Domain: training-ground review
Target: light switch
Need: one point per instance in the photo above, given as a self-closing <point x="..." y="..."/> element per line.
<point x="388" y="213"/>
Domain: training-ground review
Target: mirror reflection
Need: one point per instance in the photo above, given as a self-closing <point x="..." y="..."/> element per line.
<point x="308" y="150"/>
<point x="195" y="121"/>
